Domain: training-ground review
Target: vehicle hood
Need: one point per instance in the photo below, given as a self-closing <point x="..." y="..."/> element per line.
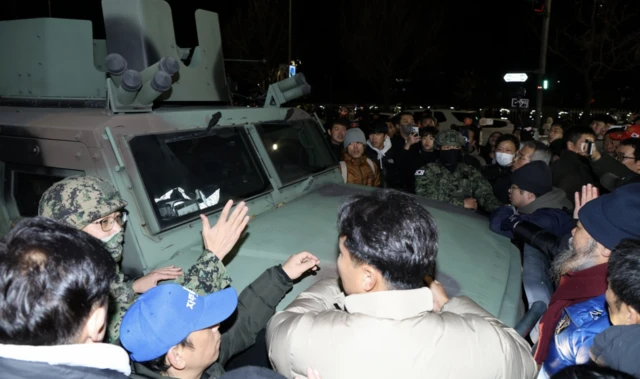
<point x="471" y="261"/>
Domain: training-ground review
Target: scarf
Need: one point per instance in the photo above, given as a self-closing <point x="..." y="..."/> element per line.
<point x="575" y="287"/>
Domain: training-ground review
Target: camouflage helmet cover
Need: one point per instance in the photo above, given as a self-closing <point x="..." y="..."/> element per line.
<point x="79" y="200"/>
<point x="450" y="138"/>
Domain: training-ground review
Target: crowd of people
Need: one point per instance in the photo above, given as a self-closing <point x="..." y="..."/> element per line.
<point x="67" y="310"/>
<point x="544" y="193"/>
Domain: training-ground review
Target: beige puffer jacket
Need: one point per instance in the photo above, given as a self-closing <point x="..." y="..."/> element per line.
<point x="393" y="334"/>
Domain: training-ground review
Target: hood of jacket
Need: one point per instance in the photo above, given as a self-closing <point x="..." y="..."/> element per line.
<point x="617" y="347"/>
<point x="555" y="199"/>
<point x="383" y="151"/>
<point x="99" y="360"/>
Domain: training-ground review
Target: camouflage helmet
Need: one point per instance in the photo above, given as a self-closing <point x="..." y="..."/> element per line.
<point x="450" y="138"/>
<point x="79" y="200"/>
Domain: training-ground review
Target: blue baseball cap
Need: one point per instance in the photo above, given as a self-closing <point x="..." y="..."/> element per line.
<point x="165" y="315"/>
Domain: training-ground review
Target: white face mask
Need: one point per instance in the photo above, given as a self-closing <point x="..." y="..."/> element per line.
<point x="504" y="159"/>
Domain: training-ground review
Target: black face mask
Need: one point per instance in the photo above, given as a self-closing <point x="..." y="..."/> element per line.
<point x="450" y="158"/>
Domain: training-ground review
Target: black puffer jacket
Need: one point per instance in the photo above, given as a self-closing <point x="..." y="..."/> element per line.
<point x="500" y="179"/>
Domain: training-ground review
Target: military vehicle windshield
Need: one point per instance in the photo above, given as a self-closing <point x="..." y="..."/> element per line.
<point x="297" y="148"/>
<point x="185" y="174"/>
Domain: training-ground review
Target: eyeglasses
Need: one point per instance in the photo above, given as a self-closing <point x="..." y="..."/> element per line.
<point x="621" y="157"/>
<point x="107" y="223"/>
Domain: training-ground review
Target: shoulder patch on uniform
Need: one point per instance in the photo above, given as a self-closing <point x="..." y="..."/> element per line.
<point x="419" y="172"/>
<point x="563" y="324"/>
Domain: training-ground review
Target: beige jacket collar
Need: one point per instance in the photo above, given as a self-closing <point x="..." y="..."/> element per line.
<point x="395" y="305"/>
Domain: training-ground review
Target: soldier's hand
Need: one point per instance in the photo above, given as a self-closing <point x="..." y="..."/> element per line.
<point x="151" y="280"/>
<point x="221" y="238"/>
<point x="300" y="263"/>
<point x="471" y="203"/>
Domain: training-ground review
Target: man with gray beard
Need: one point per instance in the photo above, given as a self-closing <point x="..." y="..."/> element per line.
<point x="577" y="311"/>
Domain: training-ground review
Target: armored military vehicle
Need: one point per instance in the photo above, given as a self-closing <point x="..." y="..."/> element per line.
<point x="130" y="110"/>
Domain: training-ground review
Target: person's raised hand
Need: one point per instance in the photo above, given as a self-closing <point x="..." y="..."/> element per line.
<point x="300" y="263"/>
<point x="589" y="192"/>
<point x="151" y="280"/>
<point x="471" y="203"/>
<point x="221" y="238"/>
<point x="412" y="140"/>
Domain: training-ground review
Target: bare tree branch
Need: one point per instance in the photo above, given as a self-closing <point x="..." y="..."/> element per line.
<point x="257" y="32"/>
<point x="383" y="39"/>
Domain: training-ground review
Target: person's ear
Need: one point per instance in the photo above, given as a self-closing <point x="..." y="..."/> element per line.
<point x="175" y="357"/>
<point x="634" y="316"/>
<point x="369" y="278"/>
<point x="96" y="326"/>
<point x="604" y="251"/>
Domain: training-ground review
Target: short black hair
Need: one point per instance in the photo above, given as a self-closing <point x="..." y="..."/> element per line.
<point x="378" y="126"/>
<point x="635" y="143"/>
<point x="396" y="119"/>
<point x="428" y="131"/>
<point x="508" y="137"/>
<point x="590" y="371"/>
<point x="562" y="124"/>
<point x="427" y="116"/>
<point x="52" y="277"/>
<point x="573" y="135"/>
<point x="624" y="273"/>
<point x="339" y="121"/>
<point x="392" y="232"/>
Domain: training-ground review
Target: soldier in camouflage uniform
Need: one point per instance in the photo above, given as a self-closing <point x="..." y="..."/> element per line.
<point x="94" y="205"/>
<point x="452" y="181"/>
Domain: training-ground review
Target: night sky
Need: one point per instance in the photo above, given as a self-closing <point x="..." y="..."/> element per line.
<point x="487" y="38"/>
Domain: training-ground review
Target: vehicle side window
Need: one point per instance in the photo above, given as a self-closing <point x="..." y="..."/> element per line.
<point x="186" y="173"/>
<point x="296" y="148"/>
<point x="28" y="189"/>
<point x="26" y="184"/>
<point x="440" y="117"/>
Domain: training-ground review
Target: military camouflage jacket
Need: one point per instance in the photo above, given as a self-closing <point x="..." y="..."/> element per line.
<point x="434" y="181"/>
<point x="206" y="276"/>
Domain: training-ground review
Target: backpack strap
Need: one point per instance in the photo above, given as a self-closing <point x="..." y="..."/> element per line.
<point x="343" y="168"/>
<point x="372" y="165"/>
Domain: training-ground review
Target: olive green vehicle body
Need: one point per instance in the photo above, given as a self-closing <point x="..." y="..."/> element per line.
<point x="44" y="135"/>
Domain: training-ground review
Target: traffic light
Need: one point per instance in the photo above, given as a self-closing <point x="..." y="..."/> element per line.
<point x="545" y="84"/>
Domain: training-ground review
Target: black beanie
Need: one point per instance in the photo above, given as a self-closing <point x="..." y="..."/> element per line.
<point x="534" y="177"/>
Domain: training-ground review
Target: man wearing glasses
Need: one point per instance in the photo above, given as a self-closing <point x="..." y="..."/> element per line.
<point x="94" y="206"/>
<point x="627" y="157"/>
